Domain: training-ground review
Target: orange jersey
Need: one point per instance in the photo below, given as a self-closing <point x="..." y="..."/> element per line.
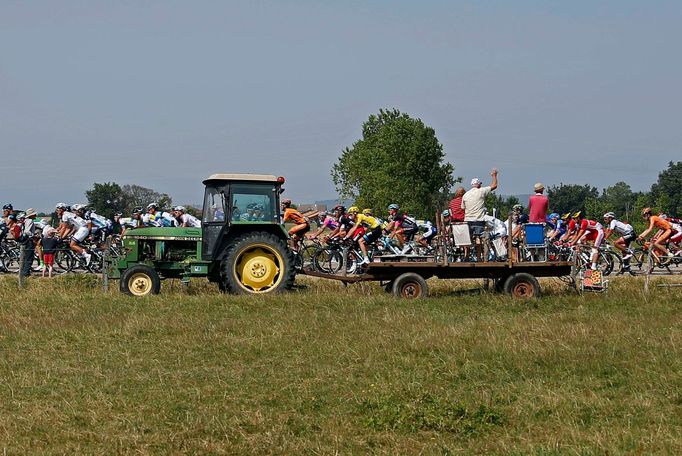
<point x="293" y="215"/>
<point x="660" y="223"/>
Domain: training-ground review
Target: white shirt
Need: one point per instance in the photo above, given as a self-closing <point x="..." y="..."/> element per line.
<point x="620" y="227"/>
<point x="190" y="220"/>
<point x="496" y="226"/>
<point x="473" y="203"/>
<point x="73" y="220"/>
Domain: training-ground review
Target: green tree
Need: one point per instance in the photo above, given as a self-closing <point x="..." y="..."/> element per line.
<point x="669" y="183"/>
<point x="106" y="198"/>
<point x="138" y="196"/>
<point x="499" y="205"/>
<point x="398" y="159"/>
<point x="620" y="199"/>
<point x="570" y="197"/>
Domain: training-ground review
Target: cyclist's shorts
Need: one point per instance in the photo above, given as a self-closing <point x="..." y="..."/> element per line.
<point x="409" y="234"/>
<point x="628" y="238"/>
<point x="373" y="235"/>
<point x="596" y="236"/>
<point x="476" y="228"/>
<point x="299" y="230"/>
<point x="429" y="234"/>
<point x="81" y="234"/>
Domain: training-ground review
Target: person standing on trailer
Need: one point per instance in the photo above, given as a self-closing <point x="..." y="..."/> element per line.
<point x="473" y="203"/>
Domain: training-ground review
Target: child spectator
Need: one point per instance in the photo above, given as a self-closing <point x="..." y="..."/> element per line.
<point x="49" y="244"/>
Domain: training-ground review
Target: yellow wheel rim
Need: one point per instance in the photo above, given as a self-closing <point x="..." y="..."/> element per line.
<point x="140" y="284"/>
<point x="258" y="268"/>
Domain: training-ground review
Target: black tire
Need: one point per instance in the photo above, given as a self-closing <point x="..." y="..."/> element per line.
<point x="327" y="260"/>
<point x="522" y="285"/>
<point x="257" y="263"/>
<point x="410" y="286"/>
<point x="498" y="284"/>
<point x="140" y="280"/>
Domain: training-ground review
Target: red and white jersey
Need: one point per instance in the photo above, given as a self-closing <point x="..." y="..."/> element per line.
<point x="590" y="225"/>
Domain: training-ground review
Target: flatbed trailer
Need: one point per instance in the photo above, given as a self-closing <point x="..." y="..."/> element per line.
<point x="407" y="279"/>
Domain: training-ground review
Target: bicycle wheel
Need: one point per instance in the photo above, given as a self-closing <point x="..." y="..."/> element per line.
<point x="327" y="260"/>
<point x="638" y="259"/>
<point x="605" y="263"/>
<point x="11" y="260"/>
<point x="306" y="255"/>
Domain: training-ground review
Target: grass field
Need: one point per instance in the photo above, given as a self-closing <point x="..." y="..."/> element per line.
<point x="331" y="370"/>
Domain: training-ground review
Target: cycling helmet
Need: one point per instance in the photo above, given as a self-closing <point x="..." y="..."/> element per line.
<point x="566" y="216"/>
<point x="257" y="207"/>
<point x="22" y="215"/>
<point x="577" y="214"/>
<point x="353" y="210"/>
<point x="138" y="210"/>
<point x="286" y="202"/>
<point x="61" y="206"/>
<point x="118" y="214"/>
<point x="553" y="215"/>
<point x="78" y="207"/>
<point x="341" y="209"/>
<point x="609" y="215"/>
<point x="8" y="207"/>
<point x="180" y="208"/>
<point x="646" y="211"/>
<point x="517" y="207"/>
<point x="394" y="207"/>
<point x="151" y="206"/>
<point x="446" y="213"/>
<point x="367" y="211"/>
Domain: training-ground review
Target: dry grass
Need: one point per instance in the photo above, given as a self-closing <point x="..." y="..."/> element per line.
<point x="331" y="369"/>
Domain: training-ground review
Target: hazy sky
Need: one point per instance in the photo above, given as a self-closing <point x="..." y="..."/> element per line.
<point x="164" y="93"/>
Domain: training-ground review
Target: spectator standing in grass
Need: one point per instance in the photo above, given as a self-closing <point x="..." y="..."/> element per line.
<point x="49" y="244"/>
<point x="538" y="205"/>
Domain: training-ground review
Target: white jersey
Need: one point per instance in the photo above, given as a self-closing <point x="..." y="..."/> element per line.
<point x="496" y="226"/>
<point x="73" y="220"/>
<point x="98" y="221"/>
<point x="190" y="220"/>
<point x="159" y="219"/>
<point x="620" y="227"/>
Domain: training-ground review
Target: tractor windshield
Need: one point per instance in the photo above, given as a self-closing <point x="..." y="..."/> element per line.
<point x="253" y="203"/>
<point x="214" y="205"/>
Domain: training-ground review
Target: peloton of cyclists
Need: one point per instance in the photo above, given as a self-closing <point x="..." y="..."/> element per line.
<point x="627" y="235"/>
<point x="74" y="226"/>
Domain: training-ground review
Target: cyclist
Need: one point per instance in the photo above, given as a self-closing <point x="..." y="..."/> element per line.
<point x="325" y="221"/>
<point x="665" y="230"/>
<point x="557" y="226"/>
<point x="400" y="226"/>
<point x="372" y="227"/>
<point x="8" y="210"/>
<point x="301" y="225"/>
<point x="345" y="222"/>
<point x="135" y="221"/>
<point x="77" y="227"/>
<point x="588" y="231"/>
<point x="184" y="219"/>
<point x="428" y="232"/>
<point x="155" y="217"/>
<point x="100" y="226"/>
<point x="627" y="235"/>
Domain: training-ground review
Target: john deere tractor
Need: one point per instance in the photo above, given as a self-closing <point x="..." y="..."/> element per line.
<point x="241" y="245"/>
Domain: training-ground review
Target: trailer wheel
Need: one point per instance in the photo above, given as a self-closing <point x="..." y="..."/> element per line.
<point x="410" y="286"/>
<point x="522" y="285"/>
<point x="140" y="280"/>
<point x="388" y="287"/>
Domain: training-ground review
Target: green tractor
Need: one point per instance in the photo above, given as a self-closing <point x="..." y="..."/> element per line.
<point x="241" y="245"/>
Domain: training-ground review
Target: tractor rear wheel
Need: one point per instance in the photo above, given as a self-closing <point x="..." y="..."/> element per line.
<point x="257" y="263"/>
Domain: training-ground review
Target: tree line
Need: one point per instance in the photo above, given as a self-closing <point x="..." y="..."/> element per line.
<point x="400" y="160"/>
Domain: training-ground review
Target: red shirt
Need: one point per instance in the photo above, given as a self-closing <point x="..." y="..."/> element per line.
<point x="537" y="208"/>
<point x="456" y="211"/>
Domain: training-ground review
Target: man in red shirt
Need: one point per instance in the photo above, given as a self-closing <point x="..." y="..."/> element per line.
<point x="538" y="205"/>
<point x="456" y="211"/>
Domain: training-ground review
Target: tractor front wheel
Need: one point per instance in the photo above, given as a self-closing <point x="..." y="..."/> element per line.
<point x="140" y="280"/>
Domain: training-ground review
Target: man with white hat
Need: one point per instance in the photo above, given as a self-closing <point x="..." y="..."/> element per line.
<point x="473" y="203"/>
<point x="538" y="205"/>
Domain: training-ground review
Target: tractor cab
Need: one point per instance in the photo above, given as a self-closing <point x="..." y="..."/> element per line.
<point x="233" y="204"/>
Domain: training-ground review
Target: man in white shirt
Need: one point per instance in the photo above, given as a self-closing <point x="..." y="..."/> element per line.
<point x="473" y="203"/>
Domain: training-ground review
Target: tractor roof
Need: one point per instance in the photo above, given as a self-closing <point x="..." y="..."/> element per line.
<point x="242" y="177"/>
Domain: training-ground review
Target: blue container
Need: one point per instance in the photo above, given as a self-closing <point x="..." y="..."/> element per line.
<point x="535" y="233"/>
